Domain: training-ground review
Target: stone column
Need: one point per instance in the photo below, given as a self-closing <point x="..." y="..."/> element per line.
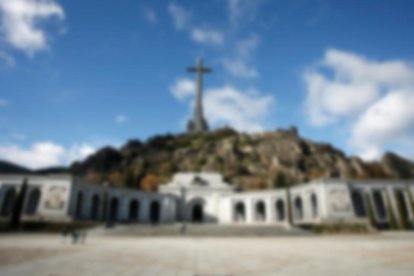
<point x="249" y="211"/>
<point x="270" y="214"/>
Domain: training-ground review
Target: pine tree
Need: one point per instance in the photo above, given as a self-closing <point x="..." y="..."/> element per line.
<point x="18" y="206"/>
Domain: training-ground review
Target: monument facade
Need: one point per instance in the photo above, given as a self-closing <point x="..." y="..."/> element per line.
<point x="206" y="198"/>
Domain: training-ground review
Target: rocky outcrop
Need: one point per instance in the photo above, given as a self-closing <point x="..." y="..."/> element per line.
<point x="250" y="161"/>
<point x="106" y="159"/>
<point x="397" y="166"/>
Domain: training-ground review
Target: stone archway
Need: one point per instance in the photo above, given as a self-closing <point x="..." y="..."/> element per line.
<point x="298" y="210"/>
<point x="280" y="210"/>
<point x="113" y="210"/>
<point x="379" y="205"/>
<point x="195" y="210"/>
<point x="197" y="215"/>
<point x="9" y="201"/>
<point x="155" y="212"/>
<point x="239" y="212"/>
<point x="358" y="204"/>
<point x="96" y="201"/>
<point x="32" y="202"/>
<point x="133" y="211"/>
<point x="260" y="211"/>
<point x="79" y="205"/>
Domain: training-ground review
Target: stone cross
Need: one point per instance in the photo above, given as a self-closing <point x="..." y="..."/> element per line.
<point x="198" y="123"/>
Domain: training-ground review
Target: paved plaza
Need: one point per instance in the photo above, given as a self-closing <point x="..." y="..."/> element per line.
<point x="46" y="255"/>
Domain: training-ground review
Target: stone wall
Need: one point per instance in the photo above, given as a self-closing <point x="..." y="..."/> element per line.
<point x="205" y="198"/>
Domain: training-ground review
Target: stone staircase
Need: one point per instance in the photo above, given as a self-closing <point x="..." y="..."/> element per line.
<point x="198" y="230"/>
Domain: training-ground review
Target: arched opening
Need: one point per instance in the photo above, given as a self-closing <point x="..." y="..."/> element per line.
<point x="314" y="203"/>
<point x="133" y="210"/>
<point x="298" y="210"/>
<point x="379" y="205"/>
<point x="197" y="214"/>
<point x="280" y="210"/>
<point x="96" y="201"/>
<point x="113" y="210"/>
<point x="9" y="200"/>
<point x="239" y="212"/>
<point x="402" y="205"/>
<point x="79" y="205"/>
<point x="260" y="211"/>
<point x="155" y="212"/>
<point x="32" y="202"/>
<point x="358" y="203"/>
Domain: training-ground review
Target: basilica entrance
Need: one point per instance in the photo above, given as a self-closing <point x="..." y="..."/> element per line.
<point x="197" y="215"/>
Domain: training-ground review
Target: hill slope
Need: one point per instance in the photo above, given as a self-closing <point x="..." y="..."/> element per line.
<point x="257" y="161"/>
<point x="8" y="167"/>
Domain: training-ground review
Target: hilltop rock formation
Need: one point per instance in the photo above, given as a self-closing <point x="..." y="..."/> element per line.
<point x="250" y="161"/>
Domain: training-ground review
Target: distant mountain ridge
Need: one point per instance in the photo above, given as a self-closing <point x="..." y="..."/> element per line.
<point x="7" y="167"/>
<point x="11" y="168"/>
<point x="249" y="161"/>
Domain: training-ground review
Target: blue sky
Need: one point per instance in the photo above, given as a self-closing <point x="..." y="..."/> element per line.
<point x="77" y="75"/>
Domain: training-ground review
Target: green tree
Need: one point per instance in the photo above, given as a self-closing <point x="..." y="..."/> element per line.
<point x="18" y="206"/>
<point x="129" y="179"/>
<point x="280" y="180"/>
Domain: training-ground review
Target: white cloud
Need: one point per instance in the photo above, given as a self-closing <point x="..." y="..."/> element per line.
<point x="20" y="22"/>
<point x="182" y="89"/>
<point x="150" y="15"/>
<point x="239" y="49"/>
<point x="242" y="110"/>
<point x="238" y="64"/>
<point x="388" y="120"/>
<point x="182" y="22"/>
<point x="44" y="154"/>
<point x="121" y="119"/>
<point x="206" y="36"/>
<point x="370" y="152"/>
<point x="240" y="13"/>
<point x="355" y="83"/>
<point x="39" y="155"/>
<point x="350" y="67"/>
<point x="373" y="98"/>
<point x="238" y="68"/>
<point x="181" y="16"/>
<point x="243" y="10"/>
<point x="246" y="46"/>
<point x="78" y="152"/>
<point x="327" y="100"/>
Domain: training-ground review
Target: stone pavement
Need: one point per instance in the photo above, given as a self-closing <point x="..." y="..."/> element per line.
<point x="198" y="230"/>
<point x="46" y="255"/>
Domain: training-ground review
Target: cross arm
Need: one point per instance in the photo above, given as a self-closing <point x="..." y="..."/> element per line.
<point x="197" y="69"/>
